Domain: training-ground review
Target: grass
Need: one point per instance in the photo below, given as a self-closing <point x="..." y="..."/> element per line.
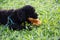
<point x="48" y="12"/>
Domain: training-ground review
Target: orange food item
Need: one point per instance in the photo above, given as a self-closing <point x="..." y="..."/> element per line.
<point x="34" y="21"/>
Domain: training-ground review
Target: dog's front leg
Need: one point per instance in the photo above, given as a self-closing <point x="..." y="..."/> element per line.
<point x="27" y="27"/>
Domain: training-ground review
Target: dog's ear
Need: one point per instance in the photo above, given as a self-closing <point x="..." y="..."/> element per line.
<point x="21" y="15"/>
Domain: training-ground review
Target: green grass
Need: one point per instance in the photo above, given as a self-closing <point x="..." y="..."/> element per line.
<point x="48" y="12"/>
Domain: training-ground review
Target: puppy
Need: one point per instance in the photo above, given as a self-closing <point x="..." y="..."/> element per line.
<point x="19" y="16"/>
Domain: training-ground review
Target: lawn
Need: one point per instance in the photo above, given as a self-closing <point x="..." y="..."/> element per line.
<point x="48" y="12"/>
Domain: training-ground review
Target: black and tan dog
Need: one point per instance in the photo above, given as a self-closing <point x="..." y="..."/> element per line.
<point x="19" y="16"/>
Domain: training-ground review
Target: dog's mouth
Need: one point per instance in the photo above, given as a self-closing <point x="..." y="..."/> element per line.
<point x="34" y="21"/>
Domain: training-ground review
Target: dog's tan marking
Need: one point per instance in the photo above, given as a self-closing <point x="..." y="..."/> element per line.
<point x="34" y="21"/>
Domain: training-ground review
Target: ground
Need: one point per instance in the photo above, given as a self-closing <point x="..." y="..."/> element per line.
<point x="48" y="12"/>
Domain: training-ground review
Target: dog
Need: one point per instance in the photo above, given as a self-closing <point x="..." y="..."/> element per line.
<point x="19" y="16"/>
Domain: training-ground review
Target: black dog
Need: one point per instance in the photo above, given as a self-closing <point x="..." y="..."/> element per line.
<point x="18" y="17"/>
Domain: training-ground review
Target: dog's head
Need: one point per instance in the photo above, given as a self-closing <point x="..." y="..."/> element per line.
<point x="31" y="15"/>
<point x="30" y="12"/>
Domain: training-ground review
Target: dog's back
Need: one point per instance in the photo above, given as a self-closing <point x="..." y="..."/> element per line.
<point x="3" y="15"/>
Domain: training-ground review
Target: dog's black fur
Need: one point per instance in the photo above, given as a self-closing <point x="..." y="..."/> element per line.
<point x="18" y="16"/>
